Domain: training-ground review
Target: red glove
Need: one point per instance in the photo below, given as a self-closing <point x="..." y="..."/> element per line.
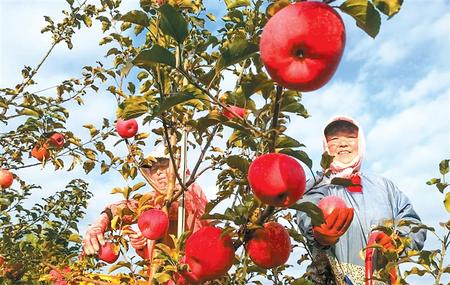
<point x="336" y="224"/>
<point x="94" y="235"/>
<point x="384" y="240"/>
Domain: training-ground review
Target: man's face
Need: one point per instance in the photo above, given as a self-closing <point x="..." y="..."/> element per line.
<point x="343" y="145"/>
<point x="159" y="173"/>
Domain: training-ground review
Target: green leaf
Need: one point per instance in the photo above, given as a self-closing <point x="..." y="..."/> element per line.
<point x="231" y="4"/>
<point x="238" y="162"/>
<point x="235" y="52"/>
<point x="447" y="201"/>
<point x="444" y="166"/>
<point x="441" y="186"/>
<point x="341" y="181"/>
<point x="132" y="107"/>
<point x="326" y="160"/>
<point x="172" y="23"/>
<point x="136" y="17"/>
<point x="283" y="141"/>
<point x="87" y="20"/>
<point x="298" y="154"/>
<point x="205" y="122"/>
<point x="388" y="7"/>
<point x="174" y="100"/>
<point x="367" y="18"/>
<point x="433" y="181"/>
<point x="301" y="281"/>
<point x="314" y="212"/>
<point x="156" y="54"/>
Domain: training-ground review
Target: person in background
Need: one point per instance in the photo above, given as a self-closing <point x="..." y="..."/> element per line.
<point x="372" y="200"/>
<point x="195" y="203"/>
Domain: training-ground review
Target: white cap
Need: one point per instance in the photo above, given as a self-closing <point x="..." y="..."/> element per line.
<point x="159" y="152"/>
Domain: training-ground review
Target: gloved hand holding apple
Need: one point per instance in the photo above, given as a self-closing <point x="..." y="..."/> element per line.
<point x="337" y="220"/>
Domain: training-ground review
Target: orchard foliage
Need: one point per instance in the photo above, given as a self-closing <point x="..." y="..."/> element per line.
<point x="165" y="62"/>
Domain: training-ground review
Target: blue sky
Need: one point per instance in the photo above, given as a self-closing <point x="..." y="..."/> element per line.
<point x="397" y="86"/>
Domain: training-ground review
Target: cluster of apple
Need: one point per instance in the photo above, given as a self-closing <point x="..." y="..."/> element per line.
<point x="303" y="58"/>
<point x="41" y="151"/>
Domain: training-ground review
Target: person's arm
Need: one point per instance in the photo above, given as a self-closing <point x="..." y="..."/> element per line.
<point x="403" y="210"/>
<point x="94" y="238"/>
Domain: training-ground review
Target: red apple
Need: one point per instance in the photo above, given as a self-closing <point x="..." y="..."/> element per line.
<point x="240" y="112"/>
<point x="127" y="129"/>
<point x="302" y="44"/>
<point x="56" y="140"/>
<point x="277" y="179"/>
<point x="329" y="203"/>
<point x="2" y="260"/>
<point x="269" y="246"/>
<point x="40" y="152"/>
<point x="153" y="224"/>
<point x="59" y="278"/>
<point x="109" y="252"/>
<point x="209" y="254"/>
<point x="6" y="178"/>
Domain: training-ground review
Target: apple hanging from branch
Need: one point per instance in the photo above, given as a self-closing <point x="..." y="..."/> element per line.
<point x="209" y="254"/>
<point x="270" y="246"/>
<point x="302" y="44"/>
<point x="277" y="179"/>
<point x="6" y="178"/>
<point x="127" y="128"/>
<point x="153" y="224"/>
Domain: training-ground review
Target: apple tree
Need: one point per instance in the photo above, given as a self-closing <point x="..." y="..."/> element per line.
<point x="166" y="63"/>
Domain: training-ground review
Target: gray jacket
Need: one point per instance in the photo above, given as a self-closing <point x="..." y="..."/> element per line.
<point x="380" y="200"/>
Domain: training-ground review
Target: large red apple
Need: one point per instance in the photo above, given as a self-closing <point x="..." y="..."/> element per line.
<point x="40" y="152"/>
<point x="240" y="112"/>
<point x="2" y="260"/>
<point x="56" y="140"/>
<point x="277" y="179"/>
<point x="109" y="252"/>
<point x="127" y="129"/>
<point x="269" y="246"/>
<point x="153" y="224"/>
<point x="302" y="44"/>
<point x="6" y="178"/>
<point x="329" y="203"/>
<point x="209" y="254"/>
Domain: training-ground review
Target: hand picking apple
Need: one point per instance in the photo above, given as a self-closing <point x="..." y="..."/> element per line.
<point x="302" y="45"/>
<point x="351" y="211"/>
<point x="154" y="224"/>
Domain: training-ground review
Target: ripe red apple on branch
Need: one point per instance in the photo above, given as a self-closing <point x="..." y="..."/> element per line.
<point x="153" y="224"/>
<point x="277" y="179"/>
<point x="109" y="252"/>
<point x="269" y="246"/>
<point x="240" y="112"/>
<point x="40" y="152"/>
<point x="56" y="140"/>
<point x="302" y="45"/>
<point x="329" y="203"/>
<point x="127" y="129"/>
<point x="6" y="178"/>
<point x="209" y="254"/>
